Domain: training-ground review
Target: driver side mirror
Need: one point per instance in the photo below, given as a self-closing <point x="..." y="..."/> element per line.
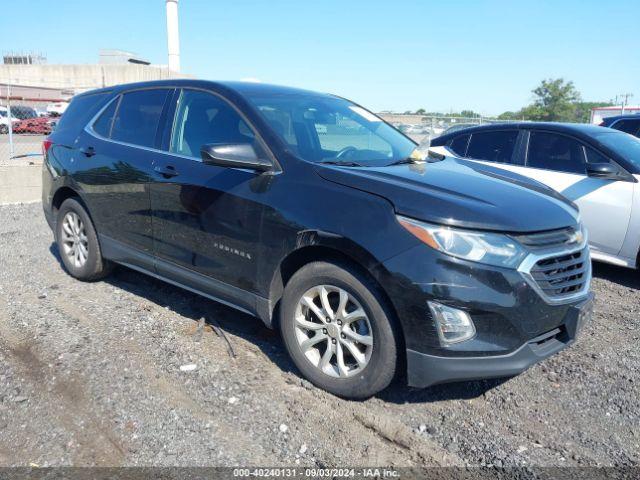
<point x="234" y="155"/>
<point x="603" y="170"/>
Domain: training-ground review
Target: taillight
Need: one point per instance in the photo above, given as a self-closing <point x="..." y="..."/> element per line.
<point x="46" y="145"/>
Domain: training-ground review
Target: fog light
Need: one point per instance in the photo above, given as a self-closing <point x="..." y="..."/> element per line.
<point x="453" y="325"/>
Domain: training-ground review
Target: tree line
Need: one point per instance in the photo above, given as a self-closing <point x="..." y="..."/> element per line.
<point x="554" y="100"/>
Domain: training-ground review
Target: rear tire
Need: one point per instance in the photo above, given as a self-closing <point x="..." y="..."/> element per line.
<point x="353" y="351"/>
<point x="78" y="243"/>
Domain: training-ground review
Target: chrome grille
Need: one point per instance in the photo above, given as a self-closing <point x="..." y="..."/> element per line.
<point x="562" y="275"/>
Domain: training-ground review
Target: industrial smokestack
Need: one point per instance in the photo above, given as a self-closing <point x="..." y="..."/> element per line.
<point x="173" y="37"/>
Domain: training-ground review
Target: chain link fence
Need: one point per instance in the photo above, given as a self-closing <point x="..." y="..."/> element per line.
<point x="424" y="128"/>
<point x="25" y="121"/>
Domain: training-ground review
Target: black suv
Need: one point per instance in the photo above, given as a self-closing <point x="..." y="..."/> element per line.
<point x="310" y="212"/>
<point x="625" y="123"/>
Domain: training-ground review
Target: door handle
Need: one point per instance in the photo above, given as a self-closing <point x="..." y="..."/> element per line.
<point x="88" y="151"/>
<point x="166" y="171"/>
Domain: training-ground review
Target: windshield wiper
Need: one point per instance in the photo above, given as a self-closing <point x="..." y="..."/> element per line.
<point x="341" y="163"/>
<point x="430" y="158"/>
<point x="403" y="161"/>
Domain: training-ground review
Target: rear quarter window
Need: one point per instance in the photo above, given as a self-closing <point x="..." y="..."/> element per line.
<point x="102" y="126"/>
<point x="78" y="113"/>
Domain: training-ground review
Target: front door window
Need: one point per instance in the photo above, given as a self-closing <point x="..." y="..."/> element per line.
<point x="203" y="118"/>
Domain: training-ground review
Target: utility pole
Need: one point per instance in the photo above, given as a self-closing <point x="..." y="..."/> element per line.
<point x="625" y="100"/>
<point x="9" y="117"/>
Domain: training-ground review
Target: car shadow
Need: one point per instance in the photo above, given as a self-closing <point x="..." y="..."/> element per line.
<point x="195" y="307"/>
<point x="252" y="329"/>
<point x="400" y="393"/>
<point x="626" y="277"/>
<point x="53" y="250"/>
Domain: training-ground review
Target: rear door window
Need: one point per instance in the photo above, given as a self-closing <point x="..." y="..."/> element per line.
<point x="552" y="151"/>
<point x="494" y="146"/>
<point x="138" y="116"/>
<point x="459" y="145"/>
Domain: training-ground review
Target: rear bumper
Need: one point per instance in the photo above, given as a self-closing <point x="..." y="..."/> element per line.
<point x="424" y="370"/>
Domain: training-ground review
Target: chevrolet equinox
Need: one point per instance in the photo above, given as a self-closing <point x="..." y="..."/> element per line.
<point x="311" y="213"/>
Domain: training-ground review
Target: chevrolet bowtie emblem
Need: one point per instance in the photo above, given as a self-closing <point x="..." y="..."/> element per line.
<point x="577" y="237"/>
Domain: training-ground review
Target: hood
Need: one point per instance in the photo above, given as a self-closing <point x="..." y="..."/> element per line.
<point x="460" y="193"/>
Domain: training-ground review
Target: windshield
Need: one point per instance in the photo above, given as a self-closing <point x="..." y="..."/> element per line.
<point x="329" y="129"/>
<point x="623" y="144"/>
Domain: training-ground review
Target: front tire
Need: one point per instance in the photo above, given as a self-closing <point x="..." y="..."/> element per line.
<point x="337" y="332"/>
<point x="78" y="243"/>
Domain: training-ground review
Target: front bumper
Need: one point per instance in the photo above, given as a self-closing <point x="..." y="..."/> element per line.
<point x="425" y="370"/>
<point x="515" y="326"/>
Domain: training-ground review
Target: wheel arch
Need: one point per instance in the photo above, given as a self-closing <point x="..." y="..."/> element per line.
<point x="340" y="251"/>
<point x="62" y="194"/>
<point x="344" y="253"/>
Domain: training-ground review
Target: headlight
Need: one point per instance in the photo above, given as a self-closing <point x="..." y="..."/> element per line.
<point x="483" y="247"/>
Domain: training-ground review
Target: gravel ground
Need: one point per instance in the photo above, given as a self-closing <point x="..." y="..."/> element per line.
<point x="90" y="375"/>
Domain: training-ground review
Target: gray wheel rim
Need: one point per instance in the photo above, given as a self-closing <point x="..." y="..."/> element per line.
<point x="333" y="331"/>
<point x="75" y="245"/>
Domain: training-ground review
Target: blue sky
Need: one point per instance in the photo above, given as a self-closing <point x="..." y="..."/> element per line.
<point x="485" y="55"/>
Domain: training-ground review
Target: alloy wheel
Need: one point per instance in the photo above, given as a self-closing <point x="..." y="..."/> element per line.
<point x="333" y="331"/>
<point x="74" y="240"/>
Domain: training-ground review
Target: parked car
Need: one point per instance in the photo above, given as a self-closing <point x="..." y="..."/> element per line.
<point x="37" y="125"/>
<point x="456" y="127"/>
<point x="597" y="168"/>
<point x="416" y="129"/>
<point x="367" y="262"/>
<point x="625" y="123"/>
<point x="5" y="121"/>
<point x="22" y="112"/>
<point x="57" y="109"/>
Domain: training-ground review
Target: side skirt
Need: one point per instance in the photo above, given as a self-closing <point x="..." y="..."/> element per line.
<point x="182" y="277"/>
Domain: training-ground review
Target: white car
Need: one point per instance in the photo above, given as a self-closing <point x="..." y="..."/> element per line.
<point x="57" y="108"/>
<point x="4" y="120"/>
<point x="598" y="168"/>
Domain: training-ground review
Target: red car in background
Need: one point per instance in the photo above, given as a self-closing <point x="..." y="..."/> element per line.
<point x="37" y="125"/>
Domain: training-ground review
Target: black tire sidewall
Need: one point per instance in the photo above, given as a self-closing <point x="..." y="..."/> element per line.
<point x="93" y="267"/>
<point x="381" y="368"/>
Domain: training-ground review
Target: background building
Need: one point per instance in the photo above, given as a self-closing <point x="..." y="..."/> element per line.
<point x="27" y="79"/>
<point x="600" y="113"/>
